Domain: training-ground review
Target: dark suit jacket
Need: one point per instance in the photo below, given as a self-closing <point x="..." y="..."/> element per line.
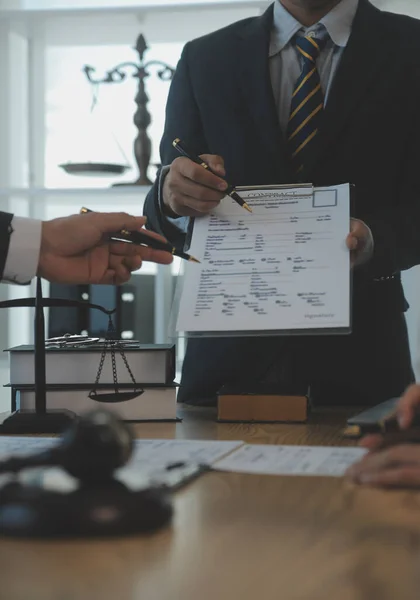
<point x="5" y="219"/>
<point x="221" y="102"/>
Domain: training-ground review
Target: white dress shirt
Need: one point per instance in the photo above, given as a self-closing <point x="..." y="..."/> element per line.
<point x="286" y="62"/>
<point x="24" y="247"/>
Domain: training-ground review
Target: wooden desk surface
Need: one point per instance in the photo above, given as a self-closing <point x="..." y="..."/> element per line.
<point x="241" y="537"/>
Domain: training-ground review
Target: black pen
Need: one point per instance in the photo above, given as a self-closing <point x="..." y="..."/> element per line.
<point x="139" y="238"/>
<point x="230" y="190"/>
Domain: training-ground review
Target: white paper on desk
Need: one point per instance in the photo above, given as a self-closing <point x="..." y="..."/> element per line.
<point x="283" y="267"/>
<point x="290" y="460"/>
<point x="151" y="457"/>
<point x="161" y="452"/>
<point x="149" y="452"/>
<point x="148" y="463"/>
<point x="20" y="446"/>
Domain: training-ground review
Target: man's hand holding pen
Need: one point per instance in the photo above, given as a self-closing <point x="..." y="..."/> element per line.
<point x="191" y="191"/>
<point x="145" y="241"/>
<point x="393" y="459"/>
<point x="80" y="249"/>
<point x="192" y="184"/>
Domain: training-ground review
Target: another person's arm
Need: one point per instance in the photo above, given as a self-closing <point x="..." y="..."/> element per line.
<point x="396" y="465"/>
<point x="182" y="189"/>
<point x="395" y="229"/>
<point x="72" y="250"/>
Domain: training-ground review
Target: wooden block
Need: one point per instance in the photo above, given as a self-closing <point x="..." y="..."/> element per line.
<point x="263" y="405"/>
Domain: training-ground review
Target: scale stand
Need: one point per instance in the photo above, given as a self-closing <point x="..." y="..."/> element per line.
<point x="39" y="420"/>
<point x="42" y="420"/>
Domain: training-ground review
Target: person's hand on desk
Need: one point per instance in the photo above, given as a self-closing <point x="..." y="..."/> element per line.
<point x="189" y="190"/>
<point x="391" y="465"/>
<point x="76" y="249"/>
<point x="360" y="242"/>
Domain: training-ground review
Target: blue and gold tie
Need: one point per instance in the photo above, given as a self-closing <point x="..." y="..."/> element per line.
<point x="307" y="102"/>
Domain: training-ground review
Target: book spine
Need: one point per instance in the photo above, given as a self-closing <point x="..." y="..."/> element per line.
<point x="170" y="365"/>
<point x="163" y="374"/>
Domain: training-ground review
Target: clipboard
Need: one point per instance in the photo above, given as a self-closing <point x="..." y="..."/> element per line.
<point x="340" y="329"/>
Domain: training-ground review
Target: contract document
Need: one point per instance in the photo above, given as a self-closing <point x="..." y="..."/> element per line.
<point x="261" y="459"/>
<point x="285" y="268"/>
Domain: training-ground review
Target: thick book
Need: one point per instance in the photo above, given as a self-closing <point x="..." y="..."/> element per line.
<point x="154" y="404"/>
<point x="149" y="363"/>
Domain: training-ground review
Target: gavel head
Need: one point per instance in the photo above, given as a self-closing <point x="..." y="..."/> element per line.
<point x="95" y="446"/>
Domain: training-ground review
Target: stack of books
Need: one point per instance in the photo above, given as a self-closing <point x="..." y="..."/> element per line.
<point x="72" y="371"/>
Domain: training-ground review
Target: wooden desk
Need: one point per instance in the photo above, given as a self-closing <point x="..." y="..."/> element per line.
<point x="241" y="537"/>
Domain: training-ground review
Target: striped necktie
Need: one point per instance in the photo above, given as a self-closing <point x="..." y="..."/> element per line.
<point x="307" y="102"/>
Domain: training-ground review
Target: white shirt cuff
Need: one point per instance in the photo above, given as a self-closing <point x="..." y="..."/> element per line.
<point x="24" y="247"/>
<point x="180" y="223"/>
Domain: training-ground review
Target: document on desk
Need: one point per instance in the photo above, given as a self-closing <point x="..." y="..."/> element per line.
<point x="151" y="453"/>
<point x="151" y="459"/>
<point x="290" y="460"/>
<point x="147" y="453"/>
<point x="283" y="268"/>
<point x="148" y="465"/>
<point x="21" y="446"/>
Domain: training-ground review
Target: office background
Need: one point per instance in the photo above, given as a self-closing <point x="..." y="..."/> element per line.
<point x="46" y="119"/>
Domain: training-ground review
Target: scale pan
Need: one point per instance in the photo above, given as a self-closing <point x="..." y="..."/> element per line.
<point x="94" y="169"/>
<point x="114" y="397"/>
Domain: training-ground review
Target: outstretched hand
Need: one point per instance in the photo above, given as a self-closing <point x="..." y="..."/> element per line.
<point x="391" y="464"/>
<point x="77" y="249"/>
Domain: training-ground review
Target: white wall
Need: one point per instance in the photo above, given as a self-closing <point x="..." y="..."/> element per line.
<point x="48" y="5"/>
<point x="406" y="7"/>
<point x="168" y="26"/>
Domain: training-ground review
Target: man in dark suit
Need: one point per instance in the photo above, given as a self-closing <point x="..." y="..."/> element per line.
<point x="73" y="249"/>
<point x="231" y="100"/>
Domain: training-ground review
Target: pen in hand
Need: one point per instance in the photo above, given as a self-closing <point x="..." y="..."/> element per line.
<point x="230" y="190"/>
<point x="141" y="238"/>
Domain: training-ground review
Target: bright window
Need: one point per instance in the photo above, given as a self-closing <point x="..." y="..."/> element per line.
<point x="106" y="134"/>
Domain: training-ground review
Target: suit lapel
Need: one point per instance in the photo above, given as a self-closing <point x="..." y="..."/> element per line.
<point x="256" y="93"/>
<point x="360" y="67"/>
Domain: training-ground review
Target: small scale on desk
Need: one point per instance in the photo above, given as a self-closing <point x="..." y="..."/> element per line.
<point x="39" y="420"/>
<point x="42" y="419"/>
